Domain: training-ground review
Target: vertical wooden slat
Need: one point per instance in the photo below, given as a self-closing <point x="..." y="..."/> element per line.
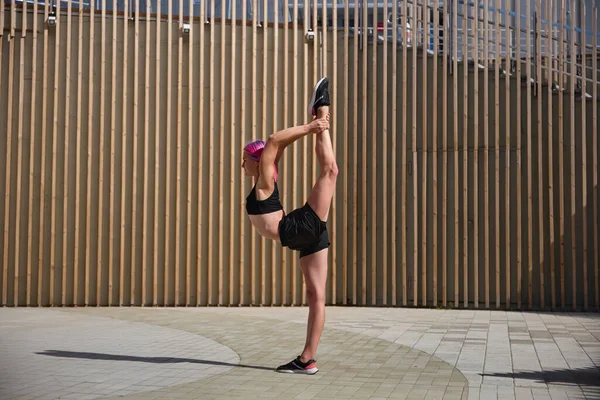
<point x="41" y="237"/>
<point x="394" y="163"/>
<point x="546" y="13"/>
<point x="90" y="128"/>
<point x="265" y="60"/>
<point x="434" y="152"/>
<point x="13" y="18"/>
<point x="289" y="201"/>
<point x="333" y="237"/>
<point x="345" y="152"/>
<point x="384" y="261"/>
<point x="293" y="191"/>
<point x="297" y="120"/>
<point x="7" y="189"/>
<point x="425" y="116"/>
<point x="538" y="32"/>
<point x="157" y="134"/>
<point x="145" y="223"/>
<point x="101" y="157"/>
<point x="254" y="118"/>
<point x="573" y="78"/>
<point x="497" y="66"/>
<point x="113" y="137"/>
<point x="295" y="272"/>
<point x="177" y="300"/>
<point x="415" y="163"/>
<point x="242" y="241"/>
<point x="553" y="43"/>
<point x="124" y="184"/>
<point x="584" y="156"/>
<point x="66" y="171"/>
<point x="76" y="261"/>
<point x="519" y="161"/>
<point x="529" y="161"/>
<point x="201" y="153"/>
<point x="595" y="155"/>
<point x="456" y="151"/>
<point x="466" y="154"/>
<point x="561" y="181"/>
<point x="221" y="282"/>
<point x="274" y="115"/>
<point x="404" y="223"/>
<point x="32" y="158"/>
<point x="486" y="153"/>
<point x="53" y="300"/>
<point x="211" y="133"/>
<point x="374" y="184"/>
<point x="364" y="153"/>
<point x="475" y="53"/>
<point x="5" y="270"/>
<point x="355" y="162"/>
<point x="233" y="155"/>
<point x="285" y="278"/>
<point x="507" y="155"/>
<point x="5" y="254"/>
<point x="134" y="185"/>
<point x="168" y="135"/>
<point x="551" y="76"/>
<point x="1" y="44"/>
<point x="20" y="123"/>
<point x="445" y="176"/>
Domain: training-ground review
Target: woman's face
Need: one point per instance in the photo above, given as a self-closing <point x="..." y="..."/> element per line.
<point x="249" y="165"/>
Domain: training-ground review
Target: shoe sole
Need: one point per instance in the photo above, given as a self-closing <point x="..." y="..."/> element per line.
<point x="311" y="371"/>
<point x="311" y="103"/>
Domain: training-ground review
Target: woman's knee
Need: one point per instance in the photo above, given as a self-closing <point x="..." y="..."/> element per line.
<point x="330" y="170"/>
<point x="315" y="296"/>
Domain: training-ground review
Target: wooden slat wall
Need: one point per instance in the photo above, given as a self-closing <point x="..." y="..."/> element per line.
<point x="122" y="184"/>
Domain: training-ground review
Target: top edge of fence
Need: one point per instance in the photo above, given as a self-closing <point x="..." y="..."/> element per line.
<point x="501" y="11"/>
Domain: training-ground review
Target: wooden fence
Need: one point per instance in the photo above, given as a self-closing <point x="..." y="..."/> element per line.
<point x="467" y="143"/>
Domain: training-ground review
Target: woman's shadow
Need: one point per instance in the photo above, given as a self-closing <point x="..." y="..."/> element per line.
<point x="154" y="360"/>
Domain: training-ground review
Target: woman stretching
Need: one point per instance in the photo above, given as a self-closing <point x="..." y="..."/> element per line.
<point x="303" y="229"/>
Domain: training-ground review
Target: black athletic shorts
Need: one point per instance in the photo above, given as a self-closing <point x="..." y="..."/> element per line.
<point x="302" y="230"/>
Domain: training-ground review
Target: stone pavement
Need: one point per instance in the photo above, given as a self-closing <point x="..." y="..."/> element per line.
<point x="365" y="353"/>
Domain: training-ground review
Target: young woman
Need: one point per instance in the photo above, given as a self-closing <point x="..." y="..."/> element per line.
<point x="303" y="229"/>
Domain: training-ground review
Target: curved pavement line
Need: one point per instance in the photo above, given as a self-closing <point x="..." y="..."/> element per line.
<point x="350" y="365"/>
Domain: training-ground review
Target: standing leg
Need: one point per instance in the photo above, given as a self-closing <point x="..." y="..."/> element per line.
<point x="314" y="268"/>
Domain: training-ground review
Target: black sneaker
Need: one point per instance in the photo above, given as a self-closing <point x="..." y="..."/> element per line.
<point x="320" y="97"/>
<point x="298" y="367"/>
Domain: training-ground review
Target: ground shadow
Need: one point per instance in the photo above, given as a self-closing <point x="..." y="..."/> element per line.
<point x="589" y="376"/>
<point x="154" y="360"/>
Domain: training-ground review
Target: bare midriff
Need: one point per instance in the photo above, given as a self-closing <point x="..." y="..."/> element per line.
<point x="267" y="225"/>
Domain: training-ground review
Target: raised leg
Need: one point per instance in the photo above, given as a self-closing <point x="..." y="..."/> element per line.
<point x="322" y="192"/>
<point x="314" y="268"/>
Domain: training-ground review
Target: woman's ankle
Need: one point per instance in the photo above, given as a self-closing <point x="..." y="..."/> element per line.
<point x="322" y="111"/>
<point x="305" y="358"/>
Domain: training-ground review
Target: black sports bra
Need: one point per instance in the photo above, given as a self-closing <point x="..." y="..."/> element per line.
<point x="257" y="207"/>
